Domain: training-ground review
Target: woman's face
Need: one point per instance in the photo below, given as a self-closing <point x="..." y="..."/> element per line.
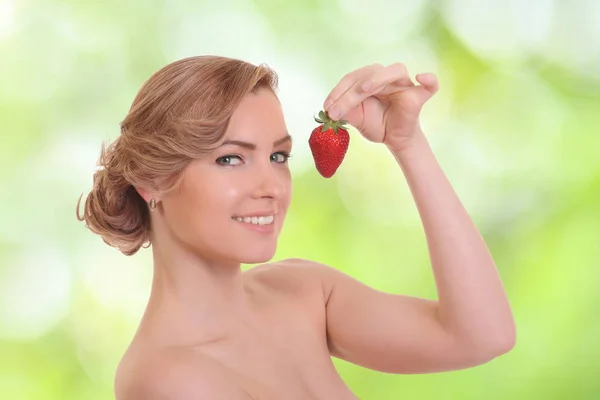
<point x="247" y="177"/>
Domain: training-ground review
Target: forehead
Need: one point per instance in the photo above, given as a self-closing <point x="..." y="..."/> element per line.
<point x="258" y="116"/>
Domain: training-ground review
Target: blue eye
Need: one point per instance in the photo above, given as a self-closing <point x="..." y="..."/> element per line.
<point x="226" y="160"/>
<point x="280" y="157"/>
<point x="232" y="160"/>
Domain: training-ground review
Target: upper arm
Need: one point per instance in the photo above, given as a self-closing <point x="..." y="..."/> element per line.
<point x="388" y="332"/>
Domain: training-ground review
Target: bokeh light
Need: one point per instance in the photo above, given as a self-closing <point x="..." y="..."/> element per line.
<point x="514" y="126"/>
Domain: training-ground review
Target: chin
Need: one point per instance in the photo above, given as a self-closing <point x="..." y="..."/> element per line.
<point x="257" y="257"/>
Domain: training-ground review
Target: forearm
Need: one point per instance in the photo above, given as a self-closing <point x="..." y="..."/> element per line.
<point x="472" y="304"/>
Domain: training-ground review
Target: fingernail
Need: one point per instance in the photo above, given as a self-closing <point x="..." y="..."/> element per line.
<point x="327" y="103"/>
<point x="366" y="86"/>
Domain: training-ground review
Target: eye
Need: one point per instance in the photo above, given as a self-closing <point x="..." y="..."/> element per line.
<point x="228" y="160"/>
<point x="280" y="157"/>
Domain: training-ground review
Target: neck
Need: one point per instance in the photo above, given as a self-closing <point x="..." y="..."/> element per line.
<point x="195" y="298"/>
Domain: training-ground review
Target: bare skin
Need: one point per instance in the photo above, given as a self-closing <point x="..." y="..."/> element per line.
<point x="282" y="353"/>
<point x="211" y="331"/>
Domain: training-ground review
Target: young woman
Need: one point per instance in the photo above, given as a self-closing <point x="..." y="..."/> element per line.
<point x="200" y="172"/>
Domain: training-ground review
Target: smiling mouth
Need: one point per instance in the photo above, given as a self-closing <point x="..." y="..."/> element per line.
<point x="263" y="220"/>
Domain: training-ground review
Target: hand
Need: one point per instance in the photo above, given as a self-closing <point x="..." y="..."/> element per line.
<point x="381" y="102"/>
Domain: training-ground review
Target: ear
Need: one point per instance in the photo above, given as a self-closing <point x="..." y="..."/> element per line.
<point x="145" y="193"/>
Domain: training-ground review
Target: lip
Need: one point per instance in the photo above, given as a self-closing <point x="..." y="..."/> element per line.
<point x="257" y="214"/>
<point x="262" y="229"/>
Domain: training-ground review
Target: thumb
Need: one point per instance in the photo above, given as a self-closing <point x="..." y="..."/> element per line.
<point x="429" y="85"/>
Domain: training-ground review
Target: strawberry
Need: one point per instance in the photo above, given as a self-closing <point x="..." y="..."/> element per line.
<point x="328" y="143"/>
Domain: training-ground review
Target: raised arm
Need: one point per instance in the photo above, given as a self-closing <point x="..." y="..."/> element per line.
<point x="471" y="321"/>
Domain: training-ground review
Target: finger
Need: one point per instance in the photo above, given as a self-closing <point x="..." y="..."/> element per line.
<point x="382" y="81"/>
<point x="429" y="81"/>
<point x="429" y="85"/>
<point x="395" y="74"/>
<point x="346" y="83"/>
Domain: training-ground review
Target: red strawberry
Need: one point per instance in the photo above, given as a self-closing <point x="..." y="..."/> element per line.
<point x="328" y="143"/>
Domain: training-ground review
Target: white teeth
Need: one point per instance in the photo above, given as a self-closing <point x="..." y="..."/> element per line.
<point x="256" y="220"/>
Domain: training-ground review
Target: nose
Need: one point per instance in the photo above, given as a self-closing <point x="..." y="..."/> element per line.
<point x="269" y="182"/>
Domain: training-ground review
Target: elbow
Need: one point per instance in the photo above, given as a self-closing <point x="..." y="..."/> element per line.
<point x="503" y="346"/>
<point x="511" y="338"/>
<point x="496" y="346"/>
<point x="506" y="341"/>
<point x="483" y="349"/>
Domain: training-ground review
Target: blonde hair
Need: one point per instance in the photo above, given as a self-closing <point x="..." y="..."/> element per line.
<point x="181" y="113"/>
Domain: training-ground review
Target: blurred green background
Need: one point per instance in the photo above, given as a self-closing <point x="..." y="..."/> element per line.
<point x="515" y="126"/>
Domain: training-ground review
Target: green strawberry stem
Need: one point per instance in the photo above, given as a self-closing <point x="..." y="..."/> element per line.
<point x="328" y="123"/>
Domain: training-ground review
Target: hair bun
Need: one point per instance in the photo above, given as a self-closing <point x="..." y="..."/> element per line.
<point x="115" y="211"/>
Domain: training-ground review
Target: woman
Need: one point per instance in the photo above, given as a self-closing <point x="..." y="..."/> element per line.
<point x="200" y="171"/>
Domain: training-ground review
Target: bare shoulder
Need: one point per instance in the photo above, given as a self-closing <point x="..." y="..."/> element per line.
<point x="292" y="275"/>
<point x="174" y="374"/>
<point x="296" y="279"/>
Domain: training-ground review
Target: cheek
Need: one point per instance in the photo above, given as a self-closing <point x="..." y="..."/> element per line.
<point x="221" y="196"/>
<point x="289" y="189"/>
<point x="288" y="195"/>
<point x="214" y="201"/>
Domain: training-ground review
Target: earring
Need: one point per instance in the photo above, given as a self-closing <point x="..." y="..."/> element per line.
<point x="153" y="204"/>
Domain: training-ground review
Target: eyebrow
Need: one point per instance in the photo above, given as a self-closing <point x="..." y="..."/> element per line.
<point x="252" y="146"/>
